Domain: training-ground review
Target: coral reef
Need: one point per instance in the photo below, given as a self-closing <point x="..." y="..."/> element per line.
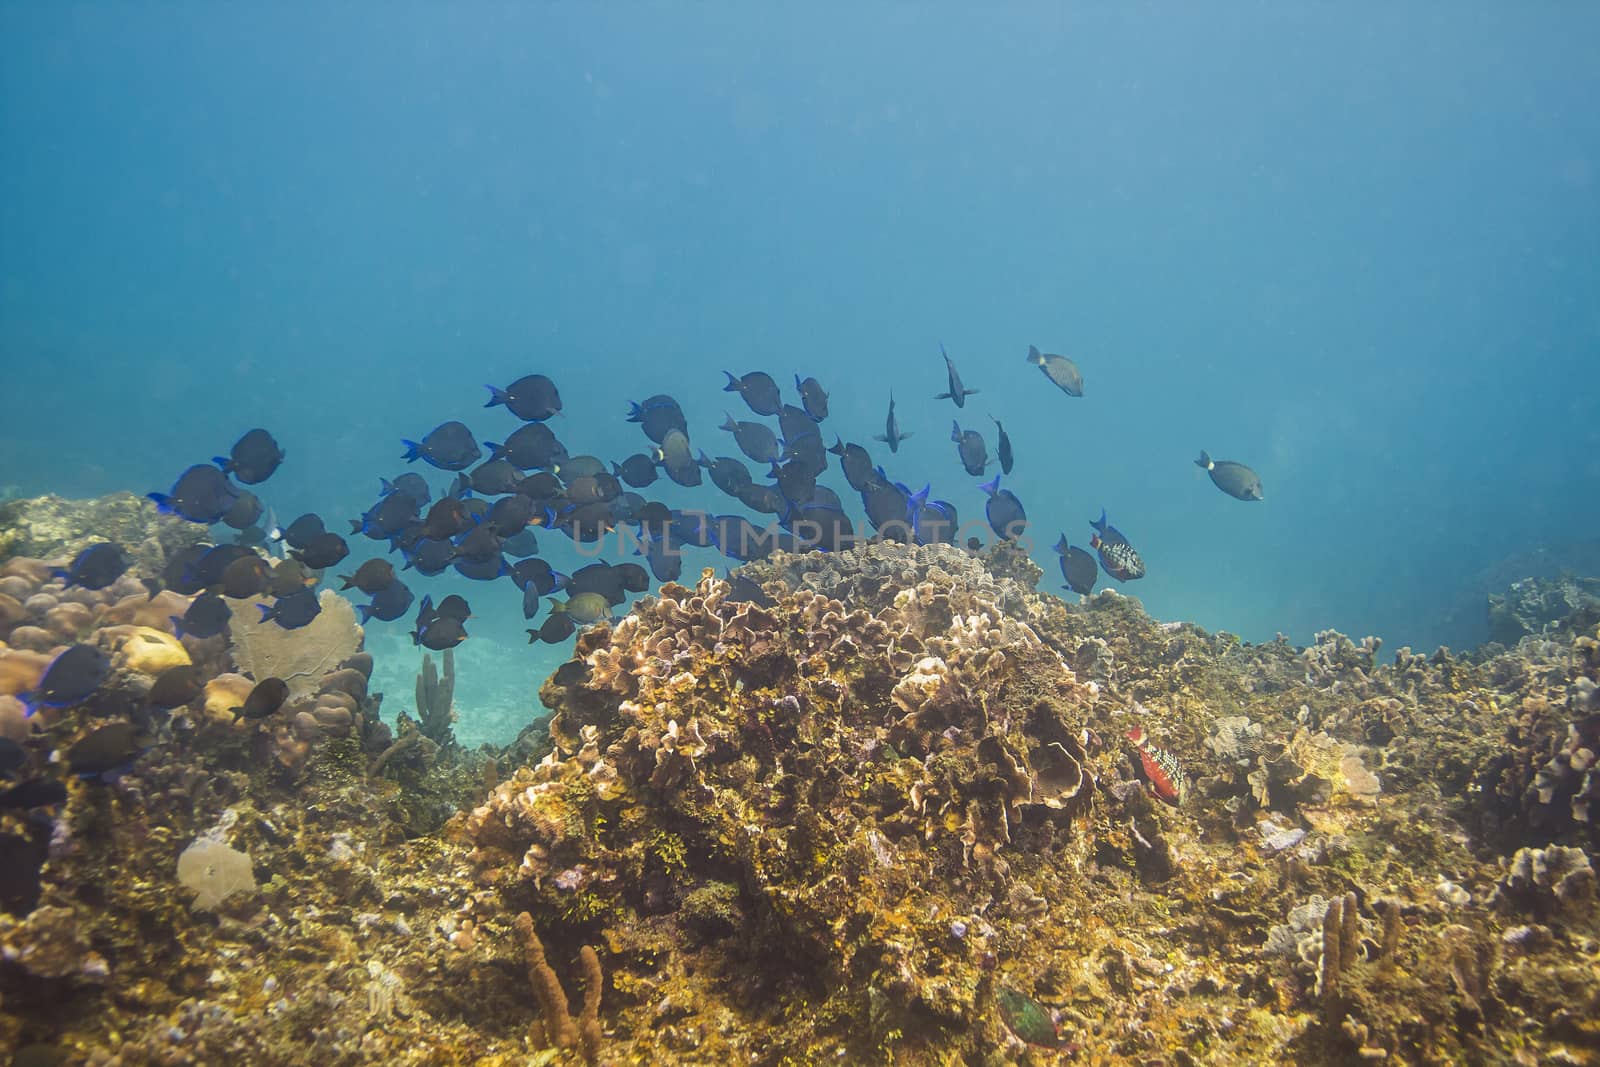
<point x="53" y="528"/>
<point x="891" y="818"/>
<point x="1538" y="605"/>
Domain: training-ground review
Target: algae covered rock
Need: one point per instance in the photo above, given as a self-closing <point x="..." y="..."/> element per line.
<point x="52" y="527"/>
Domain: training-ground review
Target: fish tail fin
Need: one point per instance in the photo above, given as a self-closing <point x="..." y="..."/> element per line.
<point x="162" y="501"/>
<point x="635" y="412"/>
<point x="955" y="430"/>
<point x="496" y="450"/>
<point x="413" y="451"/>
<point x="838" y="445"/>
<point x="1061" y="545"/>
<point x="151" y="586"/>
<point x="943" y="396"/>
<point x="356" y="525"/>
<point x="1101" y="525"/>
<point x="733" y="383"/>
<point x="729" y="423"/>
<point x="1204" y="462"/>
<point x="224" y="462"/>
<point x="991" y="487"/>
<point x="177" y="625"/>
<point x="349" y="582"/>
<point x="880" y="437"/>
<point x="385" y="487"/>
<point x="703" y="459"/>
<point x="1034" y="357"/>
<point x="496" y="396"/>
<point x="267" y="611"/>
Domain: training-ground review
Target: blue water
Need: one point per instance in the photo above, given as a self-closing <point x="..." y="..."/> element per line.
<point x="1353" y="247"/>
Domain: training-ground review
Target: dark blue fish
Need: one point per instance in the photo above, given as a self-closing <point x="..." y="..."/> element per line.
<point x="293" y="611"/>
<point x="635" y="579"/>
<point x="970" y="447"/>
<point x="638" y="470"/>
<point x="208" y="569"/>
<point x="794" y="424"/>
<point x="665" y="561"/>
<point x="253" y="458"/>
<point x="486" y="570"/>
<point x="600" y="578"/>
<point x="888" y="507"/>
<point x="538" y="575"/>
<point x="935" y="522"/>
<point x="520" y="544"/>
<point x="746" y="590"/>
<point x="95" y="567"/>
<point x="1003" y="449"/>
<point x="531" y="398"/>
<point x="1077" y="567"/>
<point x="657" y="415"/>
<point x="34" y="793"/>
<point x="958" y="392"/>
<point x="891" y="435"/>
<point x="448" y="446"/>
<point x="762" y="498"/>
<point x="478" y="545"/>
<point x="13" y="757"/>
<point x="207" y="616"/>
<point x="812" y="397"/>
<point x="533" y="446"/>
<point x="299" y="533"/>
<point x="388" y="603"/>
<point x="430" y="556"/>
<point x="387" y="517"/>
<point x="201" y="494"/>
<point x="754" y="440"/>
<point x="412" y="485"/>
<point x="447" y="518"/>
<point x="727" y="473"/>
<point x="323" y="550"/>
<point x="854" y="461"/>
<point x="372" y="577"/>
<point x="599" y="488"/>
<point x="69" y="679"/>
<point x="758" y="390"/>
<point x="510" y="516"/>
<point x="245" y="511"/>
<point x="1004" y="511"/>
<point x="1117" y="556"/>
<point x="440" y="634"/>
<point x="246" y="576"/>
<point x="821" y="526"/>
<point x="556" y="629"/>
<point x="497" y="477"/>
<point x="797" y="483"/>
<point x="692" y="528"/>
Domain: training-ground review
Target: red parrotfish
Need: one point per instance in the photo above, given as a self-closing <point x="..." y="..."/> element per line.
<point x="1161" y="768"/>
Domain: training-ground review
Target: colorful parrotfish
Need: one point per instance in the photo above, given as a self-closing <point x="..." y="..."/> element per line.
<point x="1160" y="768"/>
